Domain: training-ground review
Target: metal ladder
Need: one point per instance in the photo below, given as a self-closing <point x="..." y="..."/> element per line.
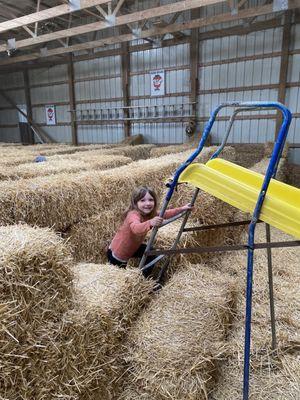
<point x="251" y="245"/>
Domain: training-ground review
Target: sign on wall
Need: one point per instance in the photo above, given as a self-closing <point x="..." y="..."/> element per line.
<point x="157" y="83"/>
<point x="50" y="115"/>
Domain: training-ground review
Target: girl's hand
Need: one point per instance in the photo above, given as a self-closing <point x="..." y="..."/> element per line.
<point x="187" y="207"/>
<point x="156" y="221"/>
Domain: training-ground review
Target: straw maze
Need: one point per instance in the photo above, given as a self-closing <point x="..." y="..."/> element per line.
<point x="75" y="328"/>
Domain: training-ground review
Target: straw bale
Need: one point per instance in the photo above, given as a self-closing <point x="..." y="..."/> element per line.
<point x="175" y="344"/>
<point x="262" y="166"/>
<point x="35" y="276"/>
<point x="269" y="147"/>
<point x="64" y="199"/>
<point x="163" y="150"/>
<point x="89" y="238"/>
<point x="82" y="362"/>
<point x="137" y="152"/>
<point x="133" y="140"/>
<point x="16" y="159"/>
<point x="35" y="289"/>
<point x="274" y="375"/>
<point x="274" y="380"/>
<point x="248" y="154"/>
<point x="51" y="167"/>
<point x="121" y="293"/>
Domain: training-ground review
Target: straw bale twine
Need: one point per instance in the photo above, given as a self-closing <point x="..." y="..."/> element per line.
<point x="35" y="289"/>
<point x="175" y="344"/>
<point x="82" y="361"/>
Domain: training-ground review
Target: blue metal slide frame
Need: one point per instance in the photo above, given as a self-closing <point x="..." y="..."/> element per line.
<point x="270" y="173"/>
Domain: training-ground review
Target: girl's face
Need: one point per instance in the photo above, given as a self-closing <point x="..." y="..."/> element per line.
<point x="146" y="204"/>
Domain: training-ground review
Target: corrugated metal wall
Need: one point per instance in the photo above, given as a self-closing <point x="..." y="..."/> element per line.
<point x="174" y="60"/>
<point x="97" y="82"/>
<point x="224" y="75"/>
<point x="230" y="81"/>
<point x="50" y="86"/>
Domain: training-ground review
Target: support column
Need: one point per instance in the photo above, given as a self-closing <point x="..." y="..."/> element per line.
<point x="125" y="69"/>
<point x="286" y="37"/>
<point x="194" y="61"/>
<point x="72" y="100"/>
<point x="28" y="103"/>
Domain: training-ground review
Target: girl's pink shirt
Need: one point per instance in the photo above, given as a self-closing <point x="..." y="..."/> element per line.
<point x="132" y="233"/>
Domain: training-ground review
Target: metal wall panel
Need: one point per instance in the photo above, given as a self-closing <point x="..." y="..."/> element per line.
<point x="48" y="75"/>
<point x="11" y="80"/>
<point x="166" y="133"/>
<point x="237" y="75"/>
<point x="177" y="81"/>
<point x="100" y="133"/>
<point x="10" y="135"/>
<point x="59" y="133"/>
<point x="49" y="94"/>
<point x="97" y="67"/>
<point x="62" y="114"/>
<point x="9" y="116"/>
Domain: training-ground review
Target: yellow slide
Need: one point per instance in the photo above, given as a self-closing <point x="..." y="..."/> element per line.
<point x="240" y="187"/>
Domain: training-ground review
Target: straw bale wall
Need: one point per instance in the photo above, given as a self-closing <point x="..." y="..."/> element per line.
<point x="35" y="289"/>
<point x="175" y="344"/>
<point x="248" y="154"/>
<point x="261" y="167"/>
<point x="62" y="165"/>
<point x="133" y="140"/>
<point x="274" y="375"/>
<point x="83" y="360"/>
<point x="269" y="147"/>
<point x="90" y="237"/>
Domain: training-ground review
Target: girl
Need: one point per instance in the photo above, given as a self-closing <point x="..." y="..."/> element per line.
<point x="139" y="218"/>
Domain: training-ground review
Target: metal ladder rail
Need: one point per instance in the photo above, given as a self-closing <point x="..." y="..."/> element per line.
<point x="271" y="172"/>
<point x="243" y="106"/>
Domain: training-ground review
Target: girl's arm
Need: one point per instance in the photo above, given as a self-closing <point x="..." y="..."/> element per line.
<point x="174" y="211"/>
<point x="138" y="227"/>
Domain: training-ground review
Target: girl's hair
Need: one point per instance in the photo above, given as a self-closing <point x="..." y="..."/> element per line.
<point x="137" y="194"/>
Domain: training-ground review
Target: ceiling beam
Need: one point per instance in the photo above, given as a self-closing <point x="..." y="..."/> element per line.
<point x="200" y="22"/>
<point x="121" y="20"/>
<point x="47" y="14"/>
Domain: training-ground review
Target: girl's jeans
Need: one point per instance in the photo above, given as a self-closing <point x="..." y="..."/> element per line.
<point x="138" y="254"/>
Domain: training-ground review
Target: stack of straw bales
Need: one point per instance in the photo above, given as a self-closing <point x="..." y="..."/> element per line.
<point x="274" y="374"/>
<point x="35" y="290"/>
<point x="262" y="166"/>
<point x="89" y="238"/>
<point x="163" y="150"/>
<point x="269" y="147"/>
<point x="82" y="361"/>
<point x="62" y="165"/>
<point x="176" y="343"/>
<point x="133" y="140"/>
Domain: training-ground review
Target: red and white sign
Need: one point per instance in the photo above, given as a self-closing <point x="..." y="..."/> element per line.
<point x="50" y="115"/>
<point x="157" y="83"/>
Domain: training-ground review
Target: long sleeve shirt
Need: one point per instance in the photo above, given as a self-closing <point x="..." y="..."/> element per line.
<point x="132" y="233"/>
